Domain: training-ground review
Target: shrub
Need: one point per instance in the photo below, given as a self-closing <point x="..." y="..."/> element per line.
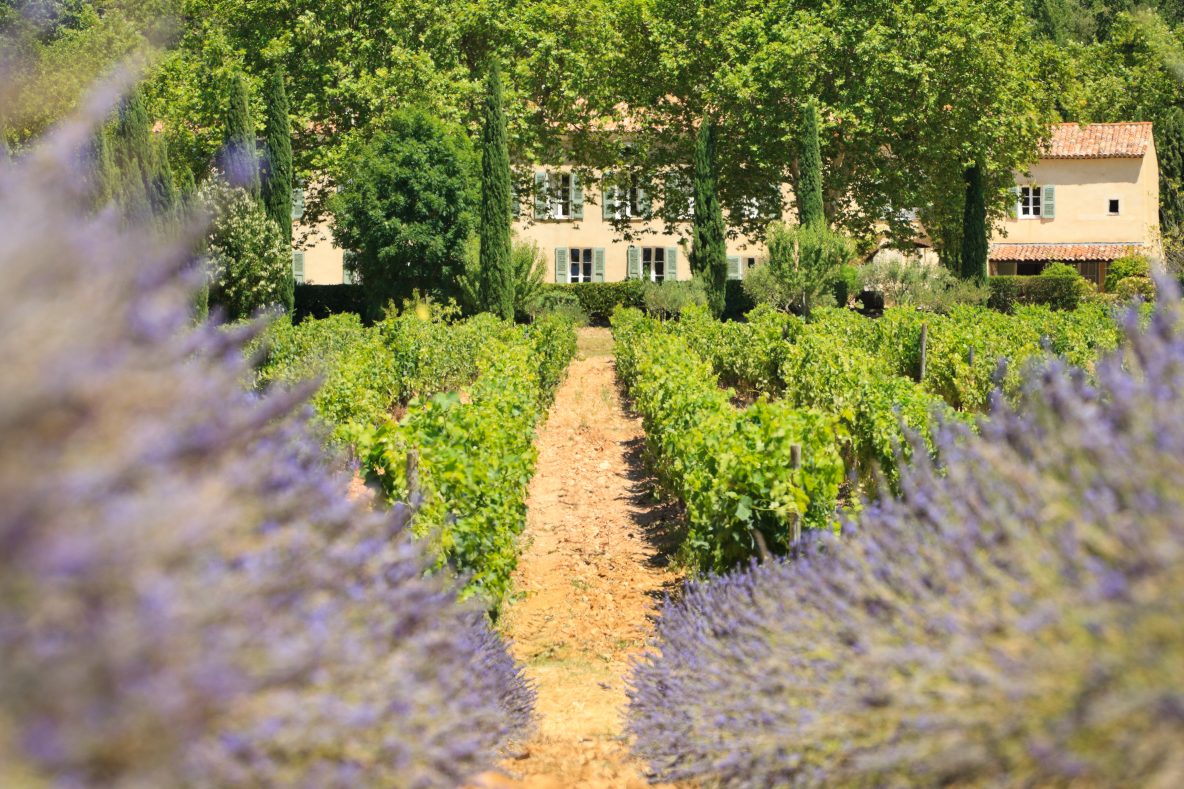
<point x="1129" y="266"/>
<point x="1060" y="270"/>
<point x="1062" y="293"/>
<point x="737" y="302"/>
<point x="249" y="263"/>
<point x="186" y="595"/>
<point x="802" y="265"/>
<point x="1135" y="287"/>
<point x="1011" y="618"/>
<point x="669" y="299"/>
<point x="846" y="284"/>
<point x="925" y="286"/>
<point x="527" y="269"/>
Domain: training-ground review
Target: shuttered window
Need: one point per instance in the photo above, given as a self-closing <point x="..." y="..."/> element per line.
<point x="298" y="267"/>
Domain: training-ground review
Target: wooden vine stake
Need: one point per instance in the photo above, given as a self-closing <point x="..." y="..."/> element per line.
<point x="971" y="356"/>
<point x="795" y="461"/>
<point x="924" y="345"/>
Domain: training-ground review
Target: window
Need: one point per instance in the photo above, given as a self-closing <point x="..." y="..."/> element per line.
<point x="679" y="198"/>
<point x="1113" y="206"/>
<point x="298" y="267"/>
<point x="1029" y="202"/>
<point x="750" y="262"/>
<point x="559" y="193"/>
<point x="580" y="265"/>
<point x="653" y="263"/>
<point x="749" y="208"/>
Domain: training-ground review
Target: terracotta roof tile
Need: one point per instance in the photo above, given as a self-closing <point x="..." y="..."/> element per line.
<point x="1062" y="252"/>
<point x="1098" y="141"/>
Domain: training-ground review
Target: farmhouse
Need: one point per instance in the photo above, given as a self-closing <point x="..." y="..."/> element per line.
<point x="1091" y="198"/>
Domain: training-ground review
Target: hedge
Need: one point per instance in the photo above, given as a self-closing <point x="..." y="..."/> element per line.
<point x="321" y="301"/>
<point x="1059" y="293"/>
<point x="599" y="299"/>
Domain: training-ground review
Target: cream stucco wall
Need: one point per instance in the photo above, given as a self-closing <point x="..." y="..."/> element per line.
<point x="1084" y="188"/>
<point x="323" y="261"/>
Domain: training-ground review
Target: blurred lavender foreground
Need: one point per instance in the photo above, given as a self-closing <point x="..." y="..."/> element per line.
<point x="186" y="597"/>
<point x="1015" y="618"/>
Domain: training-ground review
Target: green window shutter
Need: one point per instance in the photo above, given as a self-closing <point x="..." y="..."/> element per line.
<point x="734" y="267"/>
<point x="671" y="263"/>
<point x="1014" y="210"/>
<point x="298" y="266"/>
<point x="608" y="202"/>
<point x="598" y="264"/>
<point x="542" y="205"/>
<point x="297" y="204"/>
<point x="633" y="263"/>
<point x="577" y="198"/>
<point x="561" y="264"/>
<point x="515" y="201"/>
<point x="644" y="203"/>
<point x="1048" y="202"/>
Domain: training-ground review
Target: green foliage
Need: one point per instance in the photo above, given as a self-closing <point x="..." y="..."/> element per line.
<point x="846" y="284"/>
<point x="132" y="150"/>
<point x="803" y="264"/>
<point x="470" y="458"/>
<point x="240" y="158"/>
<point x="496" y="269"/>
<point x="405" y="209"/>
<point x="249" y="264"/>
<point x="669" y="299"/>
<point x="1129" y="266"/>
<point x="1135" y="287"/>
<point x="600" y="299"/>
<point x="731" y="468"/>
<point x="359" y="383"/>
<point x="1060" y="270"/>
<point x="1062" y="293"/>
<point x="163" y="196"/>
<point x="528" y="266"/>
<point x="709" y="254"/>
<point x="808" y="186"/>
<point x="1169" y="145"/>
<point x="276" y="177"/>
<point x="746" y="355"/>
<point x="906" y="283"/>
<point x="975" y="231"/>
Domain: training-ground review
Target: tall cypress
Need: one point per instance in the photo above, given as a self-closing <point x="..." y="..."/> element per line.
<point x="132" y="150"/>
<point x="277" y="169"/>
<point x="1169" y="143"/>
<point x="496" y="268"/>
<point x="104" y="175"/>
<point x="277" y="160"/>
<point x="240" y="160"/>
<point x="974" y="224"/>
<point x="163" y="194"/>
<point x="709" y="256"/>
<point x="809" y="184"/>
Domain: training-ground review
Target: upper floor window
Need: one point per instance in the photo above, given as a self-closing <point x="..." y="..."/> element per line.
<point x="1035" y="202"/>
<point x="626" y="202"/>
<point x="558" y="195"/>
<point x="1114" y="206"/>
<point x="1029" y="202"/>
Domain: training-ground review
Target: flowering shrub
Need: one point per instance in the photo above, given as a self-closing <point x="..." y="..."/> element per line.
<point x="1012" y="618"/>
<point x="250" y="265"/>
<point x="186" y="596"/>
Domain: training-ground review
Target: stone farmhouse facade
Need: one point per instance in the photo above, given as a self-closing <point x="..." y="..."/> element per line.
<point x="1092" y="197"/>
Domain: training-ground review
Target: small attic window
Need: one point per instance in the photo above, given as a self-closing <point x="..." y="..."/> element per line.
<point x="1113" y="206"/>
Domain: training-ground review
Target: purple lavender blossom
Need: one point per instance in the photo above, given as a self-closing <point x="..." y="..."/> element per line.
<point x="186" y="595"/>
<point x="1012" y="618"/>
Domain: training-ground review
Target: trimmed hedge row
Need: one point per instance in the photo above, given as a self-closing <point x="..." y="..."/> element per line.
<point x="732" y="468"/>
<point x="1059" y="293"/>
<point x="321" y="301"/>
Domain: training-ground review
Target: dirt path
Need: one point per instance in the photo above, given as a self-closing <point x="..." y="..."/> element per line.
<point x="588" y="582"/>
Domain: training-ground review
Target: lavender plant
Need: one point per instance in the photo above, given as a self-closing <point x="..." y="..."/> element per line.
<point x="1011" y="618"/>
<point x="187" y="598"/>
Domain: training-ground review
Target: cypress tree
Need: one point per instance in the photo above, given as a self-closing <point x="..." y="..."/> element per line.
<point x="133" y="156"/>
<point x="277" y="161"/>
<point x="974" y="224"/>
<point x="496" y="268"/>
<point x="809" y="183"/>
<point x="277" y="165"/>
<point x="709" y="256"/>
<point x="104" y="175"/>
<point x="163" y="194"/>
<point x="1169" y="143"/>
<point x="240" y="161"/>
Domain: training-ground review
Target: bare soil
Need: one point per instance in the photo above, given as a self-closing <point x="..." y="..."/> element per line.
<point x="593" y="570"/>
